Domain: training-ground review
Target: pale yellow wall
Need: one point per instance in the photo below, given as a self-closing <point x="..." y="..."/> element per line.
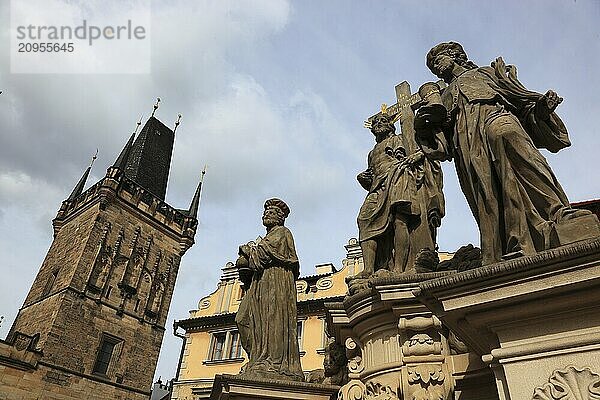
<point x="198" y="348"/>
<point x="225" y="299"/>
<point x="311" y="343"/>
<point x="197" y="352"/>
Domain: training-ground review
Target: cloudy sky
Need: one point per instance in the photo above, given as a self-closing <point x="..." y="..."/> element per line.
<point x="273" y="96"/>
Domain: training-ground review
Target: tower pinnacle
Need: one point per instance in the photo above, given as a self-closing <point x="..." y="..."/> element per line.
<point x="121" y="161"/>
<point x="193" y="211"/>
<point x="78" y="189"/>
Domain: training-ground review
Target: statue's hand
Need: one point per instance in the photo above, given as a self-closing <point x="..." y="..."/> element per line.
<point x="434" y="218"/>
<point x="415" y="158"/>
<point x="547" y="104"/>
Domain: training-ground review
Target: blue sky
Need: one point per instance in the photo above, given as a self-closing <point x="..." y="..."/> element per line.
<point x="273" y="96"/>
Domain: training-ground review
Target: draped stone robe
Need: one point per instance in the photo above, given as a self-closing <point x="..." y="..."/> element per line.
<point x="494" y="138"/>
<point x="267" y="316"/>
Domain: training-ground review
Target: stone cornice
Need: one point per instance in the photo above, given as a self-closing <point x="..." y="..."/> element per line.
<point x="554" y="258"/>
<point x="210" y="321"/>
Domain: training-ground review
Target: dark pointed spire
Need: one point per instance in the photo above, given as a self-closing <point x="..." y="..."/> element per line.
<point x="78" y="189"/>
<point x="121" y="161"/>
<point x="193" y="211"/>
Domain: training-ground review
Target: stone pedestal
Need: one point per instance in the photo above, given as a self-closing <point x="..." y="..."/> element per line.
<point x="535" y="320"/>
<point x="397" y="349"/>
<point x="231" y="387"/>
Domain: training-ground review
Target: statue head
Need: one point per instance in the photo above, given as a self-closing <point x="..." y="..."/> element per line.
<point x="441" y="57"/>
<point x="382" y="125"/>
<point x="335" y="359"/>
<point x="276" y="211"/>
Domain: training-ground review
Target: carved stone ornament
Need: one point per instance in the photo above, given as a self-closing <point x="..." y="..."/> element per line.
<point x="204" y="303"/>
<point x="354" y="354"/>
<point x="324" y="283"/>
<point x="335" y="365"/>
<point x="571" y="383"/>
<point x="428" y="380"/>
<point x="21" y="341"/>
<point x="301" y="287"/>
<point x="353" y="390"/>
<point x="421" y="344"/>
<point x="379" y="391"/>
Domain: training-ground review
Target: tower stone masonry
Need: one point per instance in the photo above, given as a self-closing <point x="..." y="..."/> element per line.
<point x="93" y="322"/>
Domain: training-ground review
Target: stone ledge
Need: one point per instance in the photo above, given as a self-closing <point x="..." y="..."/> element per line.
<point x="234" y="387"/>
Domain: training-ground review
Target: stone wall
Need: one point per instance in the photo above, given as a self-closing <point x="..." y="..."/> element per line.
<point x="52" y="384"/>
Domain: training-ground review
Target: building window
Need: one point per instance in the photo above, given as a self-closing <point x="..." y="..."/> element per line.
<point x="218" y="344"/>
<point x="235" y="345"/>
<point x="324" y="336"/>
<point x="105" y="354"/>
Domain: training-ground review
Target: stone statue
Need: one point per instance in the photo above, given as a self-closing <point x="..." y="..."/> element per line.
<point x="335" y="365"/>
<point x="267" y="318"/>
<point x="393" y="220"/>
<point x="492" y="127"/>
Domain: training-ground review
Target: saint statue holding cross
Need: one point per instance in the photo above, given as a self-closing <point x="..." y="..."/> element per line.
<point x="404" y="204"/>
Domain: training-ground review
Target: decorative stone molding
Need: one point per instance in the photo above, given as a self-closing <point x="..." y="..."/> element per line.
<point x="421" y="344"/>
<point x="102" y="263"/>
<point x="354" y="389"/>
<point x="204" y="303"/>
<point x="536" y="261"/>
<point x="571" y="383"/>
<point x="324" y="283"/>
<point x="301" y="286"/>
<point x="419" y="324"/>
<point x="426" y="382"/>
<point x="354" y="355"/>
<point x="456" y="345"/>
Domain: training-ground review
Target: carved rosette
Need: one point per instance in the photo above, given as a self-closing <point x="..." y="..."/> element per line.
<point x="571" y="383"/>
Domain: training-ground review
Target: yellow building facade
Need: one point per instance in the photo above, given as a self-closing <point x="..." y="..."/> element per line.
<point x="211" y="342"/>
